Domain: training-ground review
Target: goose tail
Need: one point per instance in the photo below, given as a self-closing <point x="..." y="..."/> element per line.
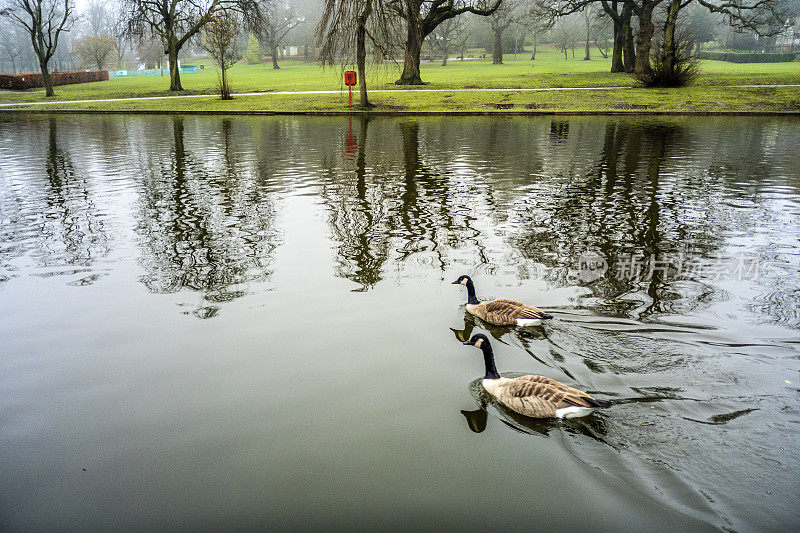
<point x="601" y="404"/>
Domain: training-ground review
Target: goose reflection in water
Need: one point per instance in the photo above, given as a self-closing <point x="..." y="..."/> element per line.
<point x="471" y="321"/>
<point x="523" y="335"/>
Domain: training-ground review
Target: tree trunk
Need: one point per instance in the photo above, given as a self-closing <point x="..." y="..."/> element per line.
<point x="174" y="72"/>
<point x="46" y="80"/>
<point x="225" y="92"/>
<point x="497" y="48"/>
<point x="669" y="49"/>
<point x="533" y="55"/>
<point x="629" y="51"/>
<point x="445" y="52"/>
<point x="588" y="56"/>
<point x="644" y="38"/>
<point x="361" y="53"/>
<point x="275" y="58"/>
<point x="617" y="64"/>
<point x="414" y="38"/>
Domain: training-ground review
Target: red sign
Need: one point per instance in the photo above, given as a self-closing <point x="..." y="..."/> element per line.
<point x="350" y="78"/>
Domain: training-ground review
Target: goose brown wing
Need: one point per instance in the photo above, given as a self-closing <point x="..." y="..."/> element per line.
<point x="544" y="389"/>
<point x="514" y="310"/>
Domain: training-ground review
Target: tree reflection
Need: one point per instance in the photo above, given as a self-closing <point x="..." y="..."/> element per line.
<point x="357" y="216"/>
<point x="624" y="209"/>
<point x="52" y="215"/>
<point x="398" y="209"/>
<point x="211" y="232"/>
<point x="74" y="232"/>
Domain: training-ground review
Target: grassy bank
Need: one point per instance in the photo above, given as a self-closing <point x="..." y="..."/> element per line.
<point x="712" y="92"/>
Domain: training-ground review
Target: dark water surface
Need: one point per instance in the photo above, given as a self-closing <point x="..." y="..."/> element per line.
<point x="243" y="322"/>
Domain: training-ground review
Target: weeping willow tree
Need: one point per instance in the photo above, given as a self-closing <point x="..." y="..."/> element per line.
<point x="344" y="29"/>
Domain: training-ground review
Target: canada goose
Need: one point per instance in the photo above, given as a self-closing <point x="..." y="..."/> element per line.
<point x="501" y="312"/>
<point x="532" y="395"/>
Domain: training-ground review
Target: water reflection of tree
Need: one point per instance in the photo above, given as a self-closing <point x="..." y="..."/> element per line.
<point x="399" y="208"/>
<point x="51" y="215"/>
<point x="624" y="208"/>
<point x="205" y="226"/>
<point x="357" y="218"/>
<point x="73" y="219"/>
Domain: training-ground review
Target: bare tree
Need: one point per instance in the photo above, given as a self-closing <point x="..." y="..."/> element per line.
<point x="177" y="21"/>
<point x="446" y="36"/>
<point x="279" y="20"/>
<point x="564" y="34"/>
<point x="219" y="40"/>
<point x="422" y="17"/>
<point x="602" y="33"/>
<point x="150" y="51"/>
<point x="44" y="21"/>
<point x="12" y="45"/>
<point x="97" y="16"/>
<point x="591" y="14"/>
<point x="343" y="32"/>
<point x="499" y="21"/>
<point x="535" y="22"/>
<point x="95" y="49"/>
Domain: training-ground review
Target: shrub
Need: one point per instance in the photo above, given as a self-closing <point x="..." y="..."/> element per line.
<point x="31" y="81"/>
<point x="253" y="53"/>
<point x="675" y="67"/>
<point x="749" y="57"/>
<point x="684" y="72"/>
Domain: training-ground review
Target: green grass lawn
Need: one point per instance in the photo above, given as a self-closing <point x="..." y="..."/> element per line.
<point x="712" y="92"/>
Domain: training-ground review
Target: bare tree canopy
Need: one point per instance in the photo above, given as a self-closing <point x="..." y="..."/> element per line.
<point x="765" y="17"/>
<point x="177" y="21"/>
<point x="44" y="21"/>
<point x="447" y="36"/>
<point x="278" y="21"/>
<point x="107" y="18"/>
<point x="507" y="14"/>
<point x="95" y="50"/>
<point x="422" y="17"/>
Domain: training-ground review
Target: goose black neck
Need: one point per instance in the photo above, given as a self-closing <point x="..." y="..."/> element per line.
<point x="488" y="359"/>
<point x="471" y="298"/>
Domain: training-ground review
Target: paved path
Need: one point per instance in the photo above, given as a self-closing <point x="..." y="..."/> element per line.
<point x="545" y="89"/>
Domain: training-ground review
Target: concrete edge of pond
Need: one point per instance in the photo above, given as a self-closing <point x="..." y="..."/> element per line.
<point x="395" y="113"/>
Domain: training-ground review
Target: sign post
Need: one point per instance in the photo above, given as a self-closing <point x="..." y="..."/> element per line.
<point x="350" y="79"/>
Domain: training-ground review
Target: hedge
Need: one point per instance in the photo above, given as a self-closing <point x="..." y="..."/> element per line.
<point x="30" y="81"/>
<point x="748" y="57"/>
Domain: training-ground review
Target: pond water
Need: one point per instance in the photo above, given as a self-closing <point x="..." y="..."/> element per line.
<point x="249" y="322"/>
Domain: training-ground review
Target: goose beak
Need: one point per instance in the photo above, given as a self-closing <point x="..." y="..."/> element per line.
<point x="467" y="343"/>
<point x="455" y="283"/>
